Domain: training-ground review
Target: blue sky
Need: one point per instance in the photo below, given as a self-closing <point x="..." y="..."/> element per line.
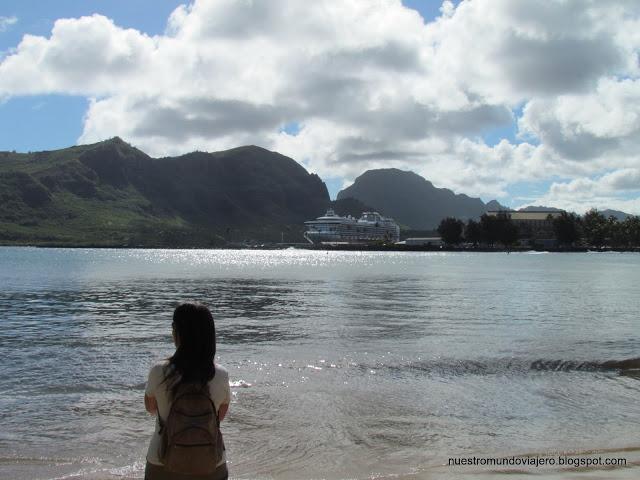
<point x="47" y="122"/>
<point x="484" y="76"/>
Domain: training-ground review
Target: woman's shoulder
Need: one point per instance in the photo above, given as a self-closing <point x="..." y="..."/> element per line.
<point x="159" y="369"/>
<point x="161" y="365"/>
<point x="221" y="371"/>
<point x="157" y="374"/>
<point x="219" y="386"/>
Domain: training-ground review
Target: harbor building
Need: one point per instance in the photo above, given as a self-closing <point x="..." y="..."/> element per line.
<point x="534" y="226"/>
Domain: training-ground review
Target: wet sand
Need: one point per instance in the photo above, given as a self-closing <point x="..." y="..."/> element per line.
<point x="58" y="469"/>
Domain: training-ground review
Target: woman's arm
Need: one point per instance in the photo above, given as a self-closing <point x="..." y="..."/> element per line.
<point x="151" y="404"/>
<point x="222" y="411"/>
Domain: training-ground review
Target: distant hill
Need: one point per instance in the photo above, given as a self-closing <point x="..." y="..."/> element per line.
<point x="411" y="200"/>
<point x="534" y="208"/>
<point x="620" y="216"/>
<point x="350" y="206"/>
<point x="111" y="193"/>
<point x="493" y="206"/>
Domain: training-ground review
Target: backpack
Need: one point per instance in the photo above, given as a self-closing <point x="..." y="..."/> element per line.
<point x="191" y="438"/>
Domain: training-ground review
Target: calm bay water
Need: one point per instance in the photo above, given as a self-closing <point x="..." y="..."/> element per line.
<point x="343" y="364"/>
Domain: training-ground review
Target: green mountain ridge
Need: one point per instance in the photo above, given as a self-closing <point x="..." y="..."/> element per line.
<point x="112" y="194"/>
<point x="413" y="201"/>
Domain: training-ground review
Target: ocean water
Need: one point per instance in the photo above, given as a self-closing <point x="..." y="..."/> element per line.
<point x="343" y="364"/>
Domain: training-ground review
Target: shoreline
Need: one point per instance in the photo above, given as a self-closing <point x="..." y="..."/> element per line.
<point x="441" y="469"/>
<point x="345" y="247"/>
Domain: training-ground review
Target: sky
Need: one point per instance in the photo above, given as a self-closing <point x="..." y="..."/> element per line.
<point x="529" y="103"/>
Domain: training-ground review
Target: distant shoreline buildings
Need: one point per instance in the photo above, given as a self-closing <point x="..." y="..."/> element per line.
<point x="533" y="225"/>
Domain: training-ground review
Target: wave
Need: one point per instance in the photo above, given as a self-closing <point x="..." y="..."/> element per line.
<point x="609" y="365"/>
<point x="36" y="460"/>
<point x="452" y="367"/>
<point x="240" y="384"/>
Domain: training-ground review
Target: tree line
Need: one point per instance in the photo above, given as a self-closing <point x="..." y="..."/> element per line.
<point x="592" y="229"/>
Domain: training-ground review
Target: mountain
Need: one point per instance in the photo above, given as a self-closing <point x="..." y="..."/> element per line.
<point x="493" y="206"/>
<point x="535" y="208"/>
<point x="617" y="214"/>
<point x="350" y="206"/>
<point x="620" y="216"/>
<point x="411" y="200"/>
<point x="111" y="193"/>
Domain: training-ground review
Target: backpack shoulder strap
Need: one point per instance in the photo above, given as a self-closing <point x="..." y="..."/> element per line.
<point x="194" y="389"/>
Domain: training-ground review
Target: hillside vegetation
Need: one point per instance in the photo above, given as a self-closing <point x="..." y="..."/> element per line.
<point x="112" y="194"/>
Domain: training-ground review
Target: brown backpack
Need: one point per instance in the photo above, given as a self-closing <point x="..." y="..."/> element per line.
<point x="191" y="438"/>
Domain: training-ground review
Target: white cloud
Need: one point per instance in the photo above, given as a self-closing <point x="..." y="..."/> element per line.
<point x="368" y="81"/>
<point x="619" y="190"/>
<point x="601" y="124"/>
<point x="6" y="22"/>
<point x="85" y="56"/>
<point x="621" y="180"/>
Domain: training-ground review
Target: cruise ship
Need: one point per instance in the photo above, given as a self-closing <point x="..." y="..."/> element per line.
<point x="370" y="228"/>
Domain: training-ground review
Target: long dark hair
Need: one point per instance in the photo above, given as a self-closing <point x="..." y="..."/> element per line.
<point x="195" y="334"/>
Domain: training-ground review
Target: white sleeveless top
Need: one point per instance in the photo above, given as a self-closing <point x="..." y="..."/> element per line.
<point x="218" y="389"/>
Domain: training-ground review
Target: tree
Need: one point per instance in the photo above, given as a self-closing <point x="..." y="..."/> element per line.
<point x="450" y="229"/>
<point x="566" y="228"/>
<point x="617" y="232"/>
<point x="489" y="229"/>
<point x="507" y="230"/>
<point x="595" y="227"/>
<point x="473" y="232"/>
<point x="498" y="228"/>
<point x="632" y="230"/>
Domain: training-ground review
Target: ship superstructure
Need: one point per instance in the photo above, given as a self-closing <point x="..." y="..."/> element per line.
<point x="371" y="227"/>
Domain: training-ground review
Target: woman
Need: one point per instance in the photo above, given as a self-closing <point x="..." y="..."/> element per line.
<point x="192" y="365"/>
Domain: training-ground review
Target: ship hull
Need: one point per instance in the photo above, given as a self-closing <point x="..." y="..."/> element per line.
<point x="352" y="234"/>
<point x="323" y="238"/>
